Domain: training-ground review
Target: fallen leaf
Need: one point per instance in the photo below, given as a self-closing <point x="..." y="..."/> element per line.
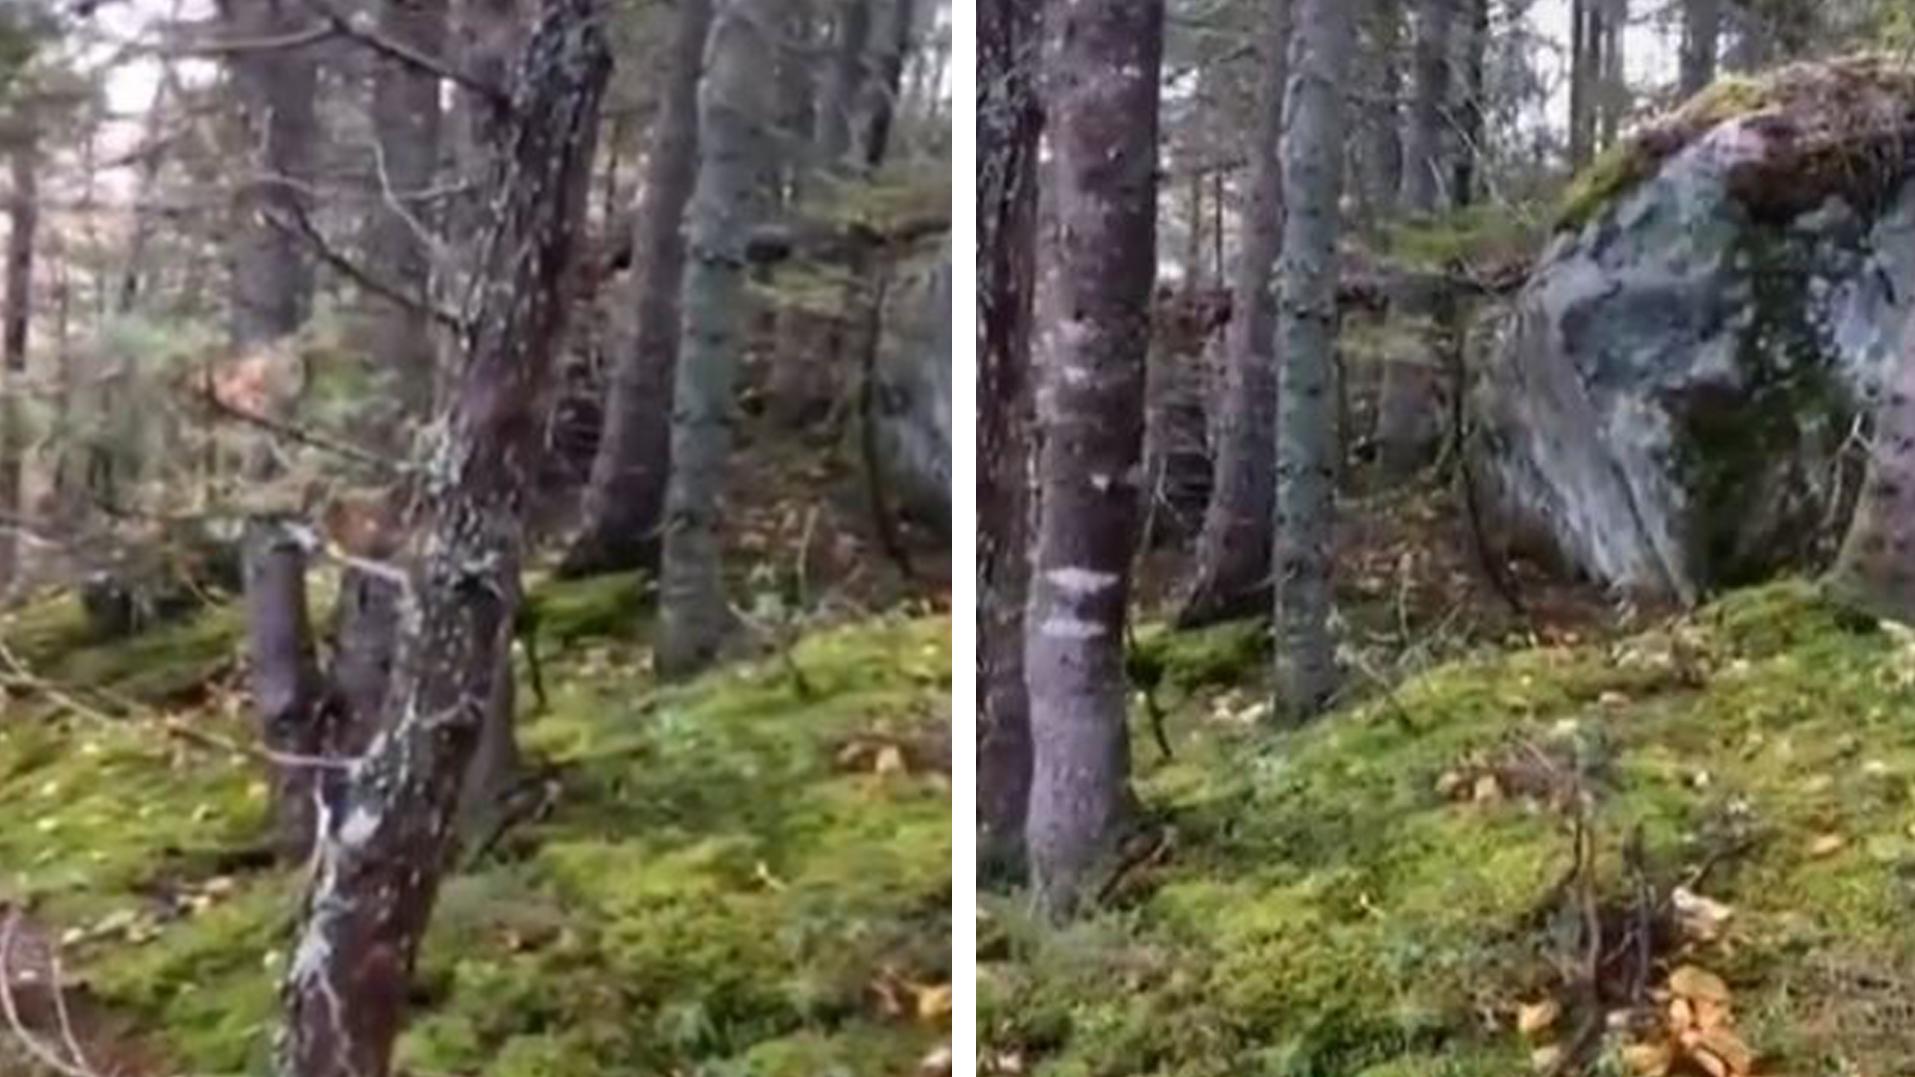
<point x="1827" y="845"/>
<point x="1487" y="790"/>
<point x="1649" y="1059"/>
<point x="1692" y="983"/>
<point x="1450" y="783"/>
<point x="1701" y="918"/>
<point x="1533" y="1018"/>
<point x="1710" y="1063"/>
<point x="934" y="1003"/>
<point x="1725" y="1045"/>
<point x="1546" y="1059"/>
<point x="890" y="760"/>
<point x="936" y="1064"/>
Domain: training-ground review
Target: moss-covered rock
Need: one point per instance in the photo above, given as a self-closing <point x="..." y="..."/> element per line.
<point x="1667" y="404"/>
<point x="1330" y="906"/>
<point x="725" y="882"/>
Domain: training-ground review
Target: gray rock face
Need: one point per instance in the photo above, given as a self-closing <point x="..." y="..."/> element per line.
<point x="1672" y="402"/>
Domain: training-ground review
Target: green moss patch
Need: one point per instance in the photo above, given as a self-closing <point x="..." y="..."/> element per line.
<point x="728" y="880"/>
<point x="1835" y="125"/>
<point x="1329" y="906"/>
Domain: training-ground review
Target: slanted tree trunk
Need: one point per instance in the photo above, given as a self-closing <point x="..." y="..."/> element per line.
<point x="272" y="287"/>
<point x="1098" y="259"/>
<point x="23" y="212"/>
<point x="1230" y="575"/>
<point x="625" y="499"/>
<point x="1409" y="409"/>
<point x="380" y="859"/>
<point x="1876" y="567"/>
<point x="727" y="203"/>
<point x="1306" y="340"/>
<point x="1701" y="42"/>
<point x="1009" y="122"/>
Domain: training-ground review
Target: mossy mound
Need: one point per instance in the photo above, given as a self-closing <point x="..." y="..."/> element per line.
<point x="1327" y="903"/>
<point x="1832" y="121"/>
<point x="733" y="876"/>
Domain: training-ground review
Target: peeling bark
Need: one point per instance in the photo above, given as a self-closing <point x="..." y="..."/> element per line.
<point x="378" y="865"/>
<point x="727" y="203"/>
<point x="624" y="503"/>
<point x="1098" y="259"/>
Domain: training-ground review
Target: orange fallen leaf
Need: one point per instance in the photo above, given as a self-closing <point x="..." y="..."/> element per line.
<point x="1534" y="1018"/>
<point x="1649" y="1059"/>
<point x="1827" y="845"/>
<point x="1692" y="983"/>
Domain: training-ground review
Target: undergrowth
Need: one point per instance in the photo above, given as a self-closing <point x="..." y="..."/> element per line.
<point x="740" y="875"/>
<point x="1328" y="904"/>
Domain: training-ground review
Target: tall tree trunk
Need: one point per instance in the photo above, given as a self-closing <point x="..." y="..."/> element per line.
<point x="1876" y="568"/>
<point x="1230" y="575"/>
<point x="1701" y="41"/>
<point x="878" y="100"/>
<point x="23" y="212"/>
<point x="836" y="117"/>
<point x="271" y="290"/>
<point x="1409" y="409"/>
<point x="379" y="863"/>
<point x="727" y="203"/>
<point x="1473" y="106"/>
<point x="406" y="122"/>
<point x="1615" y="82"/>
<point x="625" y="500"/>
<point x="1585" y="33"/>
<point x="1098" y="259"/>
<point x="1306" y="341"/>
<point x="1009" y="122"/>
<point x="1379" y="134"/>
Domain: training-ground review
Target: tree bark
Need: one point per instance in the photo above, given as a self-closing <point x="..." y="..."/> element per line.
<point x="837" y="105"/>
<point x="406" y="122"/>
<point x="625" y="500"/>
<point x="1409" y="408"/>
<point x="1585" y="67"/>
<point x="727" y="203"/>
<point x="1009" y="122"/>
<point x="1306" y="670"/>
<point x="1615" y="83"/>
<point x="1379" y="136"/>
<point x="1098" y="259"/>
<point x="23" y="212"/>
<point x="1701" y="42"/>
<point x="271" y="293"/>
<point x="1472" y="107"/>
<point x="1876" y="567"/>
<point x="378" y="865"/>
<point x="1230" y="574"/>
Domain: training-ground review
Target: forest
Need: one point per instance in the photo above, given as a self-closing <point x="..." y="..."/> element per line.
<point x="1444" y="499"/>
<point x="475" y="531"/>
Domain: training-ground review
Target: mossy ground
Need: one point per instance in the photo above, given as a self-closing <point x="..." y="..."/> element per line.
<point x="721" y="886"/>
<point x="1323" y="909"/>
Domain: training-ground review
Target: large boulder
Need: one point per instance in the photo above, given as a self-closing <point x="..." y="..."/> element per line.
<point x="1671" y="403"/>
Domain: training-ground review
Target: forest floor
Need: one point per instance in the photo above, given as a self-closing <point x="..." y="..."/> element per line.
<point x="746" y="874"/>
<point x="1583" y="840"/>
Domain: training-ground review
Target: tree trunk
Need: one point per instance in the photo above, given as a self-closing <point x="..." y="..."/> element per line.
<point x="1876" y="568"/>
<point x="1098" y="262"/>
<point x="1379" y="135"/>
<point x="1585" y="61"/>
<point x="1230" y="575"/>
<point x="1009" y="122"/>
<point x="23" y="211"/>
<point x="1701" y="40"/>
<point x="271" y="289"/>
<point x="1306" y="341"/>
<point x="379" y="863"/>
<point x="727" y="203"/>
<point x="406" y="122"/>
<point x="1615" y="83"/>
<point x="878" y="105"/>
<point x="1471" y="109"/>
<point x="837" y="105"/>
<point x="625" y="500"/>
<point x="1409" y="409"/>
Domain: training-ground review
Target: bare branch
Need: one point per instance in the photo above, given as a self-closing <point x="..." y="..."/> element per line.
<point x="303" y="436"/>
<point x="362" y="32"/>
<point x="301" y="226"/>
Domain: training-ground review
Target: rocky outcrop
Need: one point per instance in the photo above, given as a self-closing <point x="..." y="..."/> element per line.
<point x="1673" y="401"/>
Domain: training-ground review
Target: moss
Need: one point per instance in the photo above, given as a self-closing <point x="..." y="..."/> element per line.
<point x="1842" y="112"/>
<point x="1327" y="912"/>
<point x="1200" y="658"/>
<point x="165" y="664"/>
<point x="720" y="887"/>
<point x="564" y="612"/>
